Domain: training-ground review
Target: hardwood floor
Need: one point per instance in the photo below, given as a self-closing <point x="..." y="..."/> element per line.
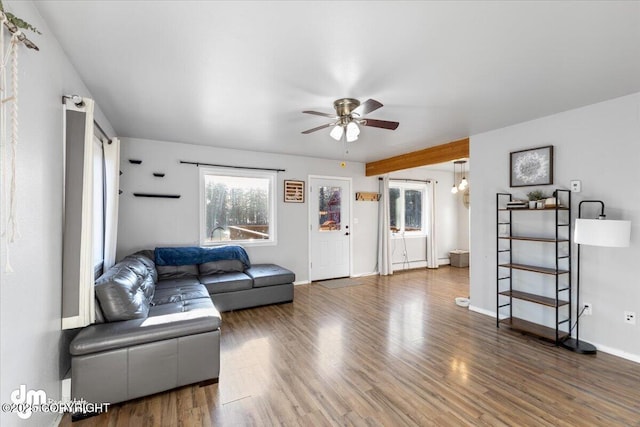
<point x="393" y="351"/>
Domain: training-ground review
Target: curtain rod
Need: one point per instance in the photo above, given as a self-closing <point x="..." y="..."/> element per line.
<point x="409" y="180"/>
<point x="232" y="167"/>
<point x="102" y="131"/>
<point x="13" y="29"/>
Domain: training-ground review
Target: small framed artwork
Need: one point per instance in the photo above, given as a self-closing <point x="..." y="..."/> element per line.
<point x="532" y="167"/>
<point x="293" y="191"/>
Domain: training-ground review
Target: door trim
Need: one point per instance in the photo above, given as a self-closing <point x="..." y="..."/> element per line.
<point x="309" y="213"/>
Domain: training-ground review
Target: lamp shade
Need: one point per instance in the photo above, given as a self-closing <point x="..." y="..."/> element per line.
<point x="352" y="132"/>
<point x="337" y="132"/>
<point x="602" y="232"/>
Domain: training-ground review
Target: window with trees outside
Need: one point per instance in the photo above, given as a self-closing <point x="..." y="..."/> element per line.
<point x="237" y="207"/>
<point x="406" y="207"/>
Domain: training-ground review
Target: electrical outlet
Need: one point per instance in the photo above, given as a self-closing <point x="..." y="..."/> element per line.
<point x="588" y="309"/>
<point x="576" y="186"/>
<point x="630" y="317"/>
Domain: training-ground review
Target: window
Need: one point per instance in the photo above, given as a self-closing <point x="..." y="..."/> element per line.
<point x="237" y="207"/>
<point x="406" y="207"/>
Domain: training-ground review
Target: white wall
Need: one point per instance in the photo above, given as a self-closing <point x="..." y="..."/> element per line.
<point x="599" y="145"/>
<point x="463" y="217"/>
<point x="31" y="342"/>
<point x="147" y="223"/>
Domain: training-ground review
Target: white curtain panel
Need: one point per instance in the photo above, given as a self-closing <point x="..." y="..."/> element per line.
<point x="384" y="251"/>
<point x="432" y="249"/>
<point x="112" y="186"/>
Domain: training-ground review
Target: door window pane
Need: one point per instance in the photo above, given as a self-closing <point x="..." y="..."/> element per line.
<point x="329" y="208"/>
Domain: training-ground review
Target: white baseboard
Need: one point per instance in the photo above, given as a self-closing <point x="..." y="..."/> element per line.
<point x="306" y="282"/>
<point x="57" y="420"/>
<point x="616" y="352"/>
<point x="603" y="348"/>
<point x="399" y="266"/>
<point x="482" y="311"/>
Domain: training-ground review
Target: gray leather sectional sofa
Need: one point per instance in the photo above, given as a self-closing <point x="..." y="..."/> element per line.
<point x="158" y="327"/>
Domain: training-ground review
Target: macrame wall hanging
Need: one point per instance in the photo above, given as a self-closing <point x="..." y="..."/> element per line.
<point x="9" y="128"/>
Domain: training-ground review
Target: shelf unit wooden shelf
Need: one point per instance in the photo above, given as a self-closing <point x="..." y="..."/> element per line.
<point x="526" y="296"/>
<point x="510" y="282"/>
<point x="534" y="329"/>
<point x="559" y="208"/>
<point x="534" y="268"/>
<point x="533" y="239"/>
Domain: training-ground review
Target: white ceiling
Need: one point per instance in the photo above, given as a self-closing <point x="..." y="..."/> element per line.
<point x="238" y="74"/>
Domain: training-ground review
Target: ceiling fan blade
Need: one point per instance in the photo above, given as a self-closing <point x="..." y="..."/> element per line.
<point x="318" y="128"/>
<point x="384" y="124"/>
<point x="318" y="113"/>
<point x="366" y="107"/>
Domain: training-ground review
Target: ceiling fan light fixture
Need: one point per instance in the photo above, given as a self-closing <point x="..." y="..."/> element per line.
<point x="349" y="115"/>
<point x="336" y="132"/>
<point x="352" y="132"/>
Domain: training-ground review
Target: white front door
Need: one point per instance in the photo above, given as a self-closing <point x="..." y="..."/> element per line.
<point x="329" y="225"/>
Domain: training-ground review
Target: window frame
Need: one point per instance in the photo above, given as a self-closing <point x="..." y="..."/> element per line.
<point x="403" y="186"/>
<point x="269" y="175"/>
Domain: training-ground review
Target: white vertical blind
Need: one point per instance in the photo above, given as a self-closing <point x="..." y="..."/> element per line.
<point x="78" y="268"/>
<point x="111" y="190"/>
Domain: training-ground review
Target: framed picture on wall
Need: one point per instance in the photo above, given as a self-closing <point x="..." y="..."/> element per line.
<point x="293" y="191"/>
<point x="532" y="167"/>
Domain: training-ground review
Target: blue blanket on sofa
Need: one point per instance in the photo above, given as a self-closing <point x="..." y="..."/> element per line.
<point x="191" y="255"/>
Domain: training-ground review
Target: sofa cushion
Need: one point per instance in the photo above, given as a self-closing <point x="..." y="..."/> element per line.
<point x="177" y="271"/>
<point x="121" y="295"/>
<point x="269" y="275"/>
<point x="146" y="257"/>
<point x="179" y="293"/>
<point x="141" y="269"/>
<point x="222" y="266"/>
<point x="226" y="282"/>
<point x="172" y="283"/>
<point x="165" y="321"/>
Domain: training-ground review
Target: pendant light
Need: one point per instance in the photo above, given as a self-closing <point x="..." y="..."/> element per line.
<point x="454" y="189"/>
<point x="464" y="183"/>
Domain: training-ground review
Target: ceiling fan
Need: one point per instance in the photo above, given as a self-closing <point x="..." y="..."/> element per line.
<point x="349" y="114"/>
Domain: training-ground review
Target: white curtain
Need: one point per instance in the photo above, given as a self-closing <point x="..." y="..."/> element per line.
<point x="432" y="249"/>
<point x="384" y="253"/>
<point x="111" y="189"/>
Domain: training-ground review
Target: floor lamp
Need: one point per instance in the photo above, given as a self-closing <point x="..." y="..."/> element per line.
<point x="594" y="232"/>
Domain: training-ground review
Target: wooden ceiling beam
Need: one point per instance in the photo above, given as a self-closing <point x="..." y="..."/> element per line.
<point x="429" y="156"/>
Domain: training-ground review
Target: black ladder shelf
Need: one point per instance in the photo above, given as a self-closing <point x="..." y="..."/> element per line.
<point x="509" y="271"/>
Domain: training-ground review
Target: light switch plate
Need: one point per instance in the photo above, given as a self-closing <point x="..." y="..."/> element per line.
<point x="576" y="186"/>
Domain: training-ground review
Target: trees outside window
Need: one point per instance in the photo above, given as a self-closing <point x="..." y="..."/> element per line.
<point x="406" y="208"/>
<point x="238" y="207"/>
